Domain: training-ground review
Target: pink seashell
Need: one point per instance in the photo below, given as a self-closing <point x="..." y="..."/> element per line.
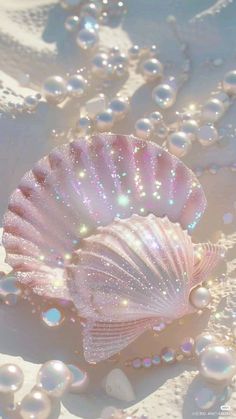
<point x="133" y="274"/>
<point x="86" y="184"/>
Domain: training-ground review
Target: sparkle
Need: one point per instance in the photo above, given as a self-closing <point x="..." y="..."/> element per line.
<point x="123" y="200"/>
<point x="83" y="229"/>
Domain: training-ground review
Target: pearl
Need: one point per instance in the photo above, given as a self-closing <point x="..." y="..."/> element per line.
<point x="187" y="347"/>
<point x="91" y="9"/>
<point x="35" y="405"/>
<point x="87" y="38"/>
<point x="213" y="110"/>
<point x="164" y="96"/>
<point x="153" y="50"/>
<point x="11" y="378"/>
<point x="143" y="128"/>
<point x="80" y="379"/>
<point x="104" y="121"/>
<point x="229" y="83"/>
<point x="89" y="22"/>
<point x="31" y="102"/>
<point x="168" y="355"/>
<point x="52" y="317"/>
<point x="119" y="59"/>
<point x="147" y="362"/>
<point x="179" y="144"/>
<point x="55" y="378"/>
<point x="70" y="4"/>
<point x="217" y="363"/>
<point x="137" y="363"/>
<point x="156" y="360"/>
<point x="99" y="65"/>
<point x="134" y="52"/>
<point x="119" y="107"/>
<point x="84" y="125"/>
<point x="72" y="23"/>
<point x="207" y="135"/>
<point x="54" y="89"/>
<point x="205" y="398"/>
<point x="152" y="69"/>
<point x="202" y="341"/>
<point x="200" y="297"/>
<point x="190" y="127"/>
<point x="8" y="288"/>
<point x="156" y="118"/>
<point x="76" y="85"/>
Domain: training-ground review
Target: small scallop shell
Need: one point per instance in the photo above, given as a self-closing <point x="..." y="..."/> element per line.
<point x="131" y="275"/>
<point x="85" y="184"/>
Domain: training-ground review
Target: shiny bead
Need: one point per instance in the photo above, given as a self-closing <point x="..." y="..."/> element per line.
<point x="118" y="59"/>
<point x="31" y="102"/>
<point x="35" y="405"/>
<point x="187" y="347"/>
<point x="72" y="23"/>
<point x="207" y="135"/>
<point x="55" y="378"/>
<point x="99" y="65"/>
<point x="168" y="355"/>
<point x="54" y="89"/>
<point x="202" y="341"/>
<point x="11" y="378"/>
<point x="70" y="4"/>
<point x="217" y="363"/>
<point x="229" y="82"/>
<point x="119" y="107"/>
<point x="200" y="297"/>
<point x="213" y="110"/>
<point x="120" y="70"/>
<point x="152" y="69"/>
<point x="179" y="144"/>
<point x="134" y="52"/>
<point x="153" y="50"/>
<point x="104" y="121"/>
<point x="89" y="22"/>
<point x="156" y="360"/>
<point x="8" y="288"/>
<point x="143" y="128"/>
<point x="80" y="379"/>
<point x="156" y="118"/>
<point x="87" y="38"/>
<point x="205" y="398"/>
<point x="84" y="125"/>
<point x="76" y="85"/>
<point x="137" y="363"/>
<point x="147" y="362"/>
<point x="92" y="9"/>
<point x="164" y="96"/>
<point x="52" y="317"/>
<point x="190" y="127"/>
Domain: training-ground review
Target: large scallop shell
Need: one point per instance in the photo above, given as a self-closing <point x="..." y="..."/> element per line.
<point x="85" y="184"/>
<point x="132" y="275"/>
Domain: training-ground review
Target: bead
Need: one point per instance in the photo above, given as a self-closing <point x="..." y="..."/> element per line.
<point x="217" y="363"/>
<point x="137" y="363"/>
<point x="11" y="378"/>
<point x="152" y="69"/>
<point x="91" y="9"/>
<point x="89" y="22"/>
<point x="52" y="317"/>
<point x="119" y="107"/>
<point x="99" y="65"/>
<point x="200" y="297"/>
<point x="31" y="102"/>
<point x="143" y="128"/>
<point x="80" y="379"/>
<point x="70" y="4"/>
<point x="8" y="288"/>
<point x="190" y="127"/>
<point x="179" y="144"/>
<point x="35" y="405"/>
<point x="207" y="135"/>
<point x="55" y="378"/>
<point x="87" y="38"/>
<point x="202" y="341"/>
<point x="164" y="96"/>
<point x="76" y="85"/>
<point x="229" y="83"/>
<point x="147" y="362"/>
<point x="54" y="89"/>
<point x="72" y="23"/>
<point x="205" y="398"/>
<point x="104" y="121"/>
<point x="84" y="125"/>
<point x="168" y="355"/>
<point x="134" y="52"/>
<point x="213" y="110"/>
<point x="153" y="50"/>
<point x="187" y="347"/>
<point x="156" y="118"/>
<point x="156" y="360"/>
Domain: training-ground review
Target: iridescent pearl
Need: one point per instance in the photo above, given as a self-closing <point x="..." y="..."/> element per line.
<point x="156" y="118"/>
<point x="168" y="355"/>
<point x="190" y="127"/>
<point x="104" y="121"/>
<point x="134" y="52"/>
<point x="156" y="360"/>
<point x="205" y="398"/>
<point x="164" y="96"/>
<point x="99" y="65"/>
<point x="84" y="125"/>
<point x="152" y="69"/>
<point x="147" y="362"/>
<point x="143" y="128"/>
<point x="202" y="341"/>
<point x="213" y="110"/>
<point x="137" y="363"/>
<point x="11" y="378"/>
<point x="8" y="288"/>
<point x="76" y="85"/>
<point x="54" y="89"/>
<point x="119" y="107"/>
<point x="200" y="297"/>
<point x="87" y="38"/>
<point x="80" y="379"/>
<point x="120" y="70"/>
<point x="52" y="317"/>
<point x="35" y="405"/>
<point x="72" y="23"/>
<point x="187" y="347"/>
<point x="229" y="82"/>
<point x="179" y="144"/>
<point x="217" y="363"/>
<point x="89" y="22"/>
<point x="31" y="102"/>
<point x="55" y="378"/>
<point x="207" y="135"/>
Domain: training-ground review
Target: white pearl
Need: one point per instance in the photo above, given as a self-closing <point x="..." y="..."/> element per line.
<point x="152" y="69"/>
<point x="54" y="378"/>
<point x="31" y="102"/>
<point x="179" y="144"/>
<point x="87" y="38"/>
<point x="134" y="52"/>
<point x="207" y="135"/>
<point x="72" y="23"/>
<point x="100" y="65"/>
<point x="70" y="4"/>
<point x="156" y="118"/>
<point x="213" y="110"/>
<point x="229" y="82"/>
<point x="200" y="297"/>
<point x="202" y="341"/>
<point x="54" y="89"/>
<point x="119" y="107"/>
<point x="80" y="379"/>
<point x="35" y="405"/>
<point x="11" y="378"/>
<point x="190" y="127"/>
<point x="104" y="121"/>
<point x="217" y="363"/>
<point x="164" y="96"/>
<point x="143" y="128"/>
<point x="76" y="85"/>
